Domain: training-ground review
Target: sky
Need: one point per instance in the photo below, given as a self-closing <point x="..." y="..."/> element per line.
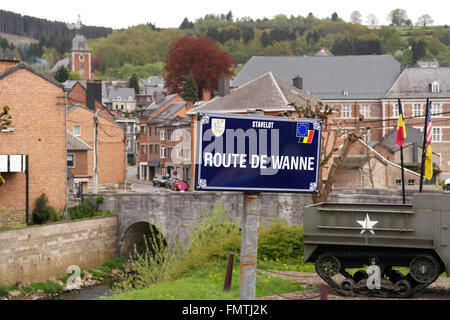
<point x="167" y="14"/>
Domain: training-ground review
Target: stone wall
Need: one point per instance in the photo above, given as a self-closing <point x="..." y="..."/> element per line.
<point x="11" y="219"/>
<point x="42" y="252"/>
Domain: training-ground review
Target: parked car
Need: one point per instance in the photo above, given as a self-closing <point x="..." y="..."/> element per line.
<point x="160" y="180"/>
<point x="170" y="181"/>
<point x="180" y="185"/>
<point x="446" y="186"/>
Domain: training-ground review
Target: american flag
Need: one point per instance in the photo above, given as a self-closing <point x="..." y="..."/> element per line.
<point x="429" y="127"/>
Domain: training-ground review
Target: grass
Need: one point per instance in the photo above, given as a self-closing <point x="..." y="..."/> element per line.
<point x="48" y="287"/>
<point x="206" y="283"/>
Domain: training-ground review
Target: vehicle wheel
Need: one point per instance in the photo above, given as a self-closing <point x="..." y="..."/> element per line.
<point x="424" y="269"/>
<point x="327" y="265"/>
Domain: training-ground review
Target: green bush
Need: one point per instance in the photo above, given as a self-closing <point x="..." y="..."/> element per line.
<point x="280" y="240"/>
<point x="43" y="212"/>
<point x="82" y="211"/>
<point x="99" y="200"/>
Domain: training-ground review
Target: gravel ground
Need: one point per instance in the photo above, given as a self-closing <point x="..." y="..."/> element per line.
<point x="439" y="290"/>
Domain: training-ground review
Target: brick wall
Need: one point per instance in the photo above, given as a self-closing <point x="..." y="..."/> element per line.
<point x="37" y="111"/>
<point x="42" y="252"/>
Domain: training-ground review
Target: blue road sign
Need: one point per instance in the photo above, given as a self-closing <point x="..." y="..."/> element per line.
<point x="257" y="153"/>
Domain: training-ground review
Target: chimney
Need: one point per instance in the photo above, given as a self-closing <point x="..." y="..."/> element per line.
<point x="94" y="92"/>
<point x="297" y="82"/>
<point x="206" y="94"/>
<point x="7" y="63"/>
<point x="224" y="86"/>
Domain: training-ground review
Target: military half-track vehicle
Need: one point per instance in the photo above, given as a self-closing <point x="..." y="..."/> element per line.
<point x="344" y="240"/>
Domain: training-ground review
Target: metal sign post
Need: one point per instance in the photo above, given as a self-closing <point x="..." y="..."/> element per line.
<point x="249" y="247"/>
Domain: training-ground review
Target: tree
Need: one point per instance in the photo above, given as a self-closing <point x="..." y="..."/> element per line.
<point x="200" y="56"/>
<point x="190" y="90"/>
<point x="75" y="76"/>
<point x="332" y="156"/>
<point x="334" y="16"/>
<point x="5" y="121"/>
<point x="355" y="17"/>
<point x="186" y="24"/>
<point x="425" y="20"/>
<point x="398" y="17"/>
<point x="134" y="83"/>
<point x="62" y="74"/>
<point x="419" y="49"/>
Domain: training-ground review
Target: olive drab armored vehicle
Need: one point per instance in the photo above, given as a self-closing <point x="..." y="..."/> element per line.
<point x="345" y="241"/>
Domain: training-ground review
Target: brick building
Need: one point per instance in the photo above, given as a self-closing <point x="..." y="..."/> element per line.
<point x="77" y="164"/>
<point x="147" y="167"/>
<point x="369" y="86"/>
<point x="37" y="108"/>
<point x="111" y="143"/>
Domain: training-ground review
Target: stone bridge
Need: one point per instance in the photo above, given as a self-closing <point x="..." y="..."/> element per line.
<point x="172" y="213"/>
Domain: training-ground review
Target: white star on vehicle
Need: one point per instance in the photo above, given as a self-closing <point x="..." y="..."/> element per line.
<point x="367" y="224"/>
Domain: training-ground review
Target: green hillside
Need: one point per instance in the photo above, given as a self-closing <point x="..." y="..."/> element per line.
<point x="143" y="49"/>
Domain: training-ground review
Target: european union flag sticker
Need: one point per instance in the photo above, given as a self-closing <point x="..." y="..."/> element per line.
<point x="302" y="130"/>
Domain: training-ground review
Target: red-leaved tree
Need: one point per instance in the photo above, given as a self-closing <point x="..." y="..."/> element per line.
<point x="200" y="57"/>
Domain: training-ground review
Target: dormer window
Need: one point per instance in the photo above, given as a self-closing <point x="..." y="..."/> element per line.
<point x="435" y="87"/>
<point x="119" y="98"/>
<point x="344" y="92"/>
<point x="129" y="98"/>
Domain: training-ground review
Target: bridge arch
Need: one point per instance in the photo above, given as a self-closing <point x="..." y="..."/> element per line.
<point x="139" y="235"/>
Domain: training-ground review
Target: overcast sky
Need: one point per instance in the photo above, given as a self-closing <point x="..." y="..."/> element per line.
<point x="165" y="14"/>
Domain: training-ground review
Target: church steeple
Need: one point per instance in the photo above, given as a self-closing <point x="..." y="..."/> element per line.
<point x="79" y="55"/>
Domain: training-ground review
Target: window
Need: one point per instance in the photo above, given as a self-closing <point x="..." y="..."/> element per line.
<point x="162" y="152"/>
<point x="81" y="65"/>
<point x="150" y="131"/>
<point x="81" y="72"/>
<point x="150" y="149"/>
<point x="398" y="182"/>
<point x="156" y="148"/>
<point x="411" y="182"/>
<point x="128" y="144"/>
<point x="144" y="149"/>
<point x="130" y="99"/>
<point x="346" y="111"/>
<point x="395" y="112"/>
<point x="128" y="128"/>
<point x="436" y="110"/>
<point x="435" y="87"/>
<point x="437" y="134"/>
<point x="156" y="131"/>
<point x="81" y="57"/>
<point x="119" y="98"/>
<point x="417" y="110"/>
<point x="77" y="130"/>
<point x="364" y="110"/>
<point x="144" y="130"/>
<point x="169" y="153"/>
<point x="169" y="134"/>
<point x="161" y="134"/>
<point x="70" y="160"/>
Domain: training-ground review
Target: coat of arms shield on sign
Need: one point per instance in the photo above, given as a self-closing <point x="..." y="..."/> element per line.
<point x="218" y="127"/>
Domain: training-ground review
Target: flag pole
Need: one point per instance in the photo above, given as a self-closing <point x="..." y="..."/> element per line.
<point x="422" y="166"/>
<point x="400" y="110"/>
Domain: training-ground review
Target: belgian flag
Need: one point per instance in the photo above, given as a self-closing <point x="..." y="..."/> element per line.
<point x="401" y="131"/>
<point x="307" y="139"/>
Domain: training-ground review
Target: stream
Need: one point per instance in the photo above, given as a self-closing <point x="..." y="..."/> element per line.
<point x="89" y="293"/>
